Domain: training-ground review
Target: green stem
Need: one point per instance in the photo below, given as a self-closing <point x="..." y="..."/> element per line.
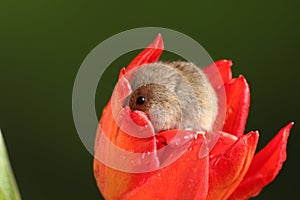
<point x="8" y="186"/>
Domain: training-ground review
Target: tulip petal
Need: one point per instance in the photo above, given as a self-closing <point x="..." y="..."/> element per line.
<point x="229" y="167"/>
<point x="226" y="173"/>
<point x="148" y="55"/>
<point x="186" y="178"/>
<point x="224" y="66"/>
<point x="265" y="166"/>
<point x="218" y="74"/>
<point x="215" y="70"/>
<point x="238" y="101"/>
<point x="106" y="176"/>
<point x="122" y="73"/>
<point x="113" y="182"/>
<point x="139" y="117"/>
<point x="224" y="142"/>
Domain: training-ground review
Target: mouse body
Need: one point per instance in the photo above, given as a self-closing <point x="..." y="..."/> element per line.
<point x="174" y="95"/>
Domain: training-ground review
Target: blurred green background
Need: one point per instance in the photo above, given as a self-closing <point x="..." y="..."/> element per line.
<point x="43" y="43"/>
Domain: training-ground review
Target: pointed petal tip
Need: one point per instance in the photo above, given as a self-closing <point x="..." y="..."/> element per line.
<point x="290" y="125"/>
<point x="237" y="108"/>
<point x="150" y="54"/>
<point x="159" y="36"/>
<point x="265" y="166"/>
<point x="157" y="43"/>
<point x="229" y="62"/>
<point x="286" y="130"/>
<point x="253" y="137"/>
<point x="284" y="133"/>
<point x="241" y="77"/>
<point x="224" y="62"/>
<point x="122" y="73"/>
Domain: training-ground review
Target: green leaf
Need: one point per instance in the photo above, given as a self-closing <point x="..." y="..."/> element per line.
<point x="8" y="186"/>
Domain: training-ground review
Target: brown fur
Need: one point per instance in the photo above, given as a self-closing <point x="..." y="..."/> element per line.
<point x="178" y="95"/>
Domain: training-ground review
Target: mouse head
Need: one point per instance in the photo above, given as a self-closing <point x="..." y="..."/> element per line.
<point x="159" y="103"/>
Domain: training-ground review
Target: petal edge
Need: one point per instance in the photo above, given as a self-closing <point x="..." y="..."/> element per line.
<point x="227" y="169"/>
<point x="238" y="102"/>
<point x="265" y="166"/>
<point x="148" y="55"/>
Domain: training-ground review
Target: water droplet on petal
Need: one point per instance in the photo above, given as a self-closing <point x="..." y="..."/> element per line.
<point x="143" y="155"/>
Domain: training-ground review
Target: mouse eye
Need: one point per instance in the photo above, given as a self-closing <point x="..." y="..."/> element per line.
<point x="141" y="100"/>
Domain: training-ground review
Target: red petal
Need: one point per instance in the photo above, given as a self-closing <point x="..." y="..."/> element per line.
<point x="187" y="178"/>
<point x="228" y="168"/>
<point x="219" y="73"/>
<point x="219" y="68"/>
<point x="148" y="55"/>
<point x="224" y="66"/>
<point x="122" y="73"/>
<point x="265" y="166"/>
<point x="114" y="183"/>
<point x="225" y="140"/>
<point x="238" y="101"/>
<point x="139" y="117"/>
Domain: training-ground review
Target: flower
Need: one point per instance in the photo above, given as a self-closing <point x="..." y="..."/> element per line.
<point x="231" y="170"/>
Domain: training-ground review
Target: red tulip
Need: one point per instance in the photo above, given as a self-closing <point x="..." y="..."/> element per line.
<point x="231" y="170"/>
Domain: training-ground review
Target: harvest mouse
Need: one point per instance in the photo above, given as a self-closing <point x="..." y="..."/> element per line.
<point x="175" y="95"/>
